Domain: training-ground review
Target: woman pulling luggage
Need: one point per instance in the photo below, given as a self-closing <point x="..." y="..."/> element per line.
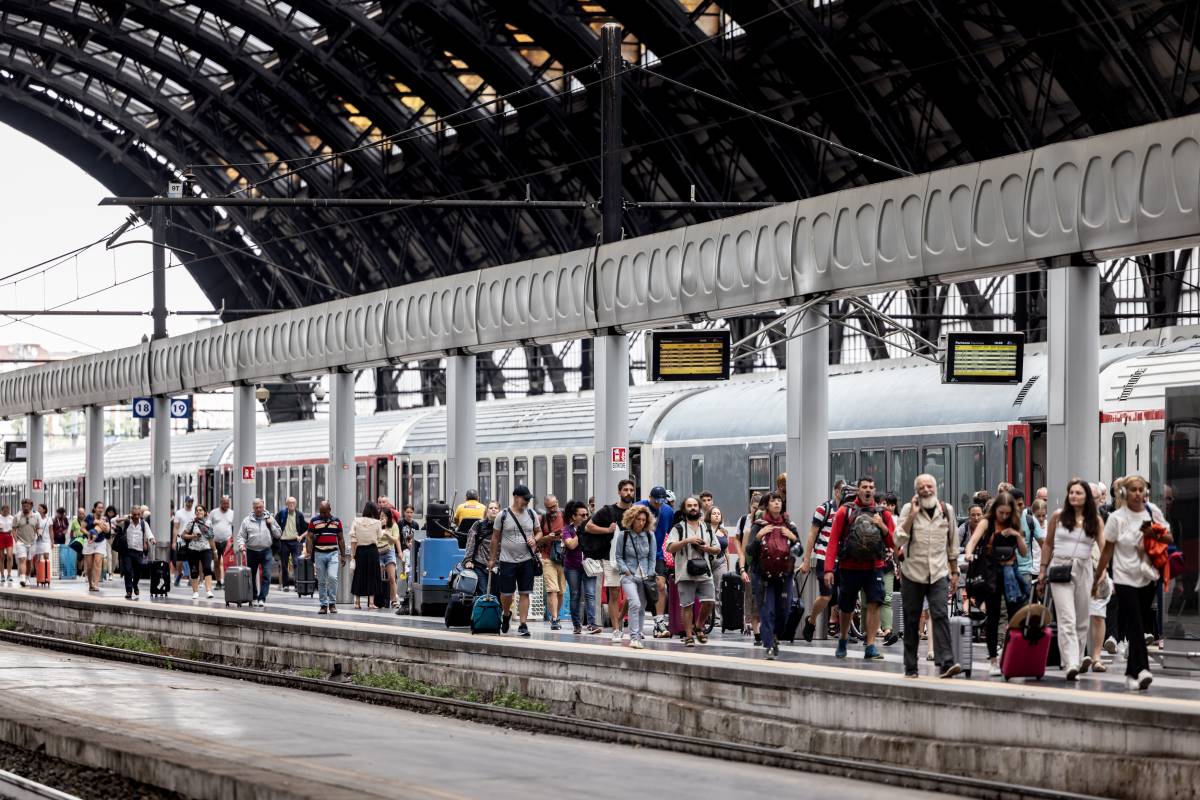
<point x="1066" y="565"/>
<point x="992" y="574"/>
<point x="1133" y="532"/>
<point x="364" y="538"/>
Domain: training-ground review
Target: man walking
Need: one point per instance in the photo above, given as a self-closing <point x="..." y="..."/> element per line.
<point x="254" y="538"/>
<point x="513" y="543"/>
<point x="859" y="540"/>
<point x="293" y="526"/>
<point x="324" y="544"/>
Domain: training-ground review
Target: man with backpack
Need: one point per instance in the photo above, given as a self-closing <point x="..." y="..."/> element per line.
<point x="513" y="544"/>
<point x="860" y="538"/>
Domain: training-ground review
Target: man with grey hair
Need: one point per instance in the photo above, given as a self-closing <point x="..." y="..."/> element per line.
<point x="293" y="527"/>
<point x="927" y="549"/>
<point x="254" y="539"/>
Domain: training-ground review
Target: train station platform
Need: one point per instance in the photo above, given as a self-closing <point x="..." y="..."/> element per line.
<point x="1088" y="739"/>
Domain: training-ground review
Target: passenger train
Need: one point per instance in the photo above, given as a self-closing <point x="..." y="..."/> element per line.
<point x="887" y="419"/>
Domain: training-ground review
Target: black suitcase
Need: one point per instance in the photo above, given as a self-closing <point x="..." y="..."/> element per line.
<point x="791" y="623"/>
<point x="458" y="610"/>
<point x="159" y="575"/>
<point x="305" y="570"/>
<point x="733" y="599"/>
<point x="306" y="588"/>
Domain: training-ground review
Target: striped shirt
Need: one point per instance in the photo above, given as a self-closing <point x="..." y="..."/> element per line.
<point x="823" y="519"/>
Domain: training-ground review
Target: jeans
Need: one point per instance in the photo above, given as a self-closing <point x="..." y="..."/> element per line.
<point x="914" y="596"/>
<point x="256" y="559"/>
<point x="590" y="611"/>
<point x="1135" y="603"/>
<point x="992" y="624"/>
<point x="575" y="578"/>
<point x="131" y="569"/>
<point x="774" y="597"/>
<point x="289" y="552"/>
<point x="635" y="595"/>
<point x="325" y="564"/>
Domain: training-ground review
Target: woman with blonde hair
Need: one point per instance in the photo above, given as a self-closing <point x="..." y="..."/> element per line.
<point x="634" y="553"/>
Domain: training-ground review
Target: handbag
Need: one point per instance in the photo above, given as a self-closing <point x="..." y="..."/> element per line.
<point x="650" y="589"/>
<point x="1061" y="573"/>
<point x="593" y="567"/>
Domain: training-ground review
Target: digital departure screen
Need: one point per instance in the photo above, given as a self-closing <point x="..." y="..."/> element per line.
<point x="687" y="355"/>
<point x="983" y="357"/>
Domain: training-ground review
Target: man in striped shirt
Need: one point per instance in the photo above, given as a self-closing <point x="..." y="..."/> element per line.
<point x="325" y="544"/>
<point x="814" y="556"/>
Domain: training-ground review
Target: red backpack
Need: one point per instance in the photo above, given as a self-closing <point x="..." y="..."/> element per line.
<point x="775" y="559"/>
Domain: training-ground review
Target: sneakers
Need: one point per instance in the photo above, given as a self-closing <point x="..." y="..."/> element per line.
<point x="636" y="644"/>
<point x="22" y="580"/>
<point x="1149" y="637"/>
<point x="323" y="610"/>
<point x="195" y="595"/>
<point x="262" y="603"/>
<point x="994" y="668"/>
<point x="555" y="626"/>
<point x="770" y="654"/>
<point x="841" y="649"/>
<point x="950" y="671"/>
<point x="128" y="597"/>
<point x="775" y="648"/>
<point x="1086" y="664"/>
<point x="332" y="608"/>
<point x="209" y="596"/>
<point x="891" y="638"/>
<point x="810" y="628"/>
<point x="617" y="636"/>
<point x="1110" y="646"/>
<point x="872" y="654"/>
<point x="1131" y="684"/>
<point x="757" y="639"/>
<point x="523" y="630"/>
<point x="911" y="675"/>
<point x="577" y="631"/>
<point x="287" y="588"/>
<point x="504" y="622"/>
<point x="1072" y="673"/>
<point x="1144" y="679"/>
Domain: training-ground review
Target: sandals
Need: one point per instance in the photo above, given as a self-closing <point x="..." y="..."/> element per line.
<point x="689" y="642"/>
<point x="1098" y="667"/>
<point x="702" y="638"/>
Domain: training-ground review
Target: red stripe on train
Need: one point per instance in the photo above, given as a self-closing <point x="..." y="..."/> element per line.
<point x="1132" y="416"/>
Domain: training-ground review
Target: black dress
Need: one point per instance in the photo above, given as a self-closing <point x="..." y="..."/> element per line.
<point x="366" y="581"/>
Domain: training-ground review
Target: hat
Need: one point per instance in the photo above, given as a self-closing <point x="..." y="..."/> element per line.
<point x="189" y="499"/>
<point x="522" y="491"/>
<point x="658" y="493"/>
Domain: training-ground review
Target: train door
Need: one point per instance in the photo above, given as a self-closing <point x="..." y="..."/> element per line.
<point x="1018" y="457"/>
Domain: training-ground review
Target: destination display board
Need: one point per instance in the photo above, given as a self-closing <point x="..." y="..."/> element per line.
<point x="983" y="357"/>
<point x="688" y="355"/>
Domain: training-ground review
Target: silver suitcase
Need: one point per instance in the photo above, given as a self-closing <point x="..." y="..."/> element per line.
<point x="239" y="584"/>
<point x="962" y="642"/>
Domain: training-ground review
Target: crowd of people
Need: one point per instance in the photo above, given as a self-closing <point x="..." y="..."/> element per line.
<point x="660" y="565"/>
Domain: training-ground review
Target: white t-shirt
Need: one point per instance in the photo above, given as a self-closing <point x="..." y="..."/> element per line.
<point x="1124" y="528"/>
<point x="222" y="524"/>
<point x="6" y="523"/>
<point x="184" y="516"/>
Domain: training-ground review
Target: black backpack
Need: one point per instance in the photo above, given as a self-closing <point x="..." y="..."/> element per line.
<point x="862" y="539"/>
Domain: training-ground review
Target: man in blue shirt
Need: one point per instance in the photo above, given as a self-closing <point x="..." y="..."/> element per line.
<point x="665" y="517"/>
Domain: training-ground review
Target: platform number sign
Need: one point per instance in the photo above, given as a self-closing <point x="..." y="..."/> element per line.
<point x="248" y="474"/>
<point x="143" y="407"/>
<point x="181" y="407"/>
<point x="620" y="459"/>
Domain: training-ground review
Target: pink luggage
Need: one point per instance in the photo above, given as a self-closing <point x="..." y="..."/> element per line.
<point x="1025" y="652"/>
<point x="674" y="613"/>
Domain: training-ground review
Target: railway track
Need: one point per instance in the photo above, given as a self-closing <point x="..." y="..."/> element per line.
<point x="14" y="787"/>
<point x="544" y="723"/>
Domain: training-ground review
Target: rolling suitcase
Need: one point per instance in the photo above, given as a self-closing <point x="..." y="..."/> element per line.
<point x="485" y="612"/>
<point x="239" y="584"/>
<point x="159" y="575"/>
<point x="306" y="577"/>
<point x="675" y="613"/>
<point x="43" y="571"/>
<point x="897" y="613"/>
<point x="962" y="641"/>
<point x="1027" y="647"/>
<point x="458" y="610"/>
<point x="733" y="603"/>
<point x="66" y="562"/>
<point x="786" y="628"/>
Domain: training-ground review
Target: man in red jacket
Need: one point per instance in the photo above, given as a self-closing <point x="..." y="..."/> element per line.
<point x="857" y="571"/>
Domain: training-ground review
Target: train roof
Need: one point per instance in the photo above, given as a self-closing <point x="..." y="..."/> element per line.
<point x="1140" y="383"/>
<point x="374" y="435"/>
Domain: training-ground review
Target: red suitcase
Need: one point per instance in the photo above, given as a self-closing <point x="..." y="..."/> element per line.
<point x="1025" y="655"/>
<point x="43" y="572"/>
<point x="674" y="613"/>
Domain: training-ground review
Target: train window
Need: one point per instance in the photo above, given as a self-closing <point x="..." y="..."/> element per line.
<point x="1019" y="479"/>
<point x="1156" y="467"/>
<point x="319" y="493"/>
<point x="1118" y="455"/>
<point x="381" y="478"/>
<point x="521" y="471"/>
<point x="272" y="490"/>
<point x="669" y="474"/>
<point x="579" y="478"/>
<point x="970" y="472"/>
<point x="539" y="476"/>
<point x="485" y="480"/>
<point x="433" y="480"/>
<point x="760" y="472"/>
<point x="503" y="489"/>
<point x="842" y="466"/>
<point x="418" y="491"/>
<point x="936" y="460"/>
<point x="559" y="475"/>
<point x="904" y="470"/>
<point x="260" y="482"/>
<point x="874" y="466"/>
<point x="780" y="463"/>
<point x="306" y="487"/>
<point x="697" y="474"/>
<point x="360" y="486"/>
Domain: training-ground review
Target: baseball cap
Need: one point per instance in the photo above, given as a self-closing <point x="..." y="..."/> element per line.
<point x="658" y="493"/>
<point x="189" y="499"/>
<point x="522" y="491"/>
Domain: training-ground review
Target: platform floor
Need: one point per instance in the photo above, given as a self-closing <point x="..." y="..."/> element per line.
<point x="369" y="750"/>
<point x="730" y="644"/>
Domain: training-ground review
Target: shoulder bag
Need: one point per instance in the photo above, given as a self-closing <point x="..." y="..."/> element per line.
<point x="1061" y="573"/>
<point x="537" y="560"/>
<point x="698" y="567"/>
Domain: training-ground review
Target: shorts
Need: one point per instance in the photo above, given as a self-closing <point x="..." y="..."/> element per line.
<point x="552" y="576"/>
<point x="516" y="577"/>
<point x="23" y="551"/>
<point x="612" y="575"/>
<point x="6" y="541"/>
<point x="661" y="569"/>
<point x="1099" y="608"/>
<point x="818" y="571"/>
<point x="851" y="581"/>
<point x="691" y="591"/>
<point x="221" y="546"/>
<point x="198" y="561"/>
<point x="387" y="557"/>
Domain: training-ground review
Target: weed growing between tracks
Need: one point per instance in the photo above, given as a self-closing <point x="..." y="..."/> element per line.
<point x="7" y="624"/>
<point x="397" y="682"/>
<point x="124" y="641"/>
<point x="312" y="672"/>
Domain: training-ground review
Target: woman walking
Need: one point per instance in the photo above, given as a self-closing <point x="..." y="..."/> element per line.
<point x="634" y="548"/>
<point x="1130" y="528"/>
<point x="199" y="549"/>
<point x="389" y="546"/>
<point x="1066" y="563"/>
<point x="364" y="539"/>
<point x="995" y="544"/>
